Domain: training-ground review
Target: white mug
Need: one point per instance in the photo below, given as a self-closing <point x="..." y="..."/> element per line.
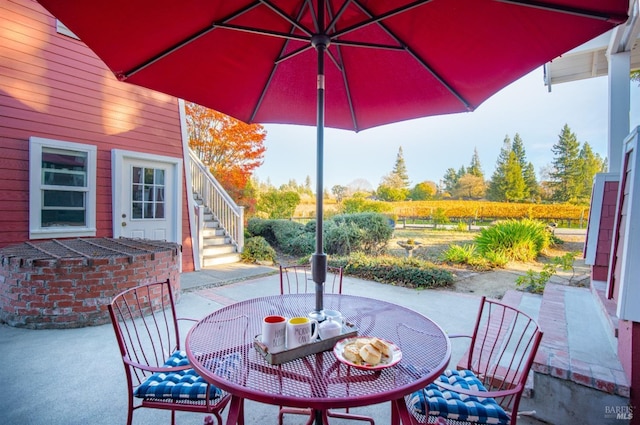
<point x="301" y="331"/>
<point x="274" y="331"/>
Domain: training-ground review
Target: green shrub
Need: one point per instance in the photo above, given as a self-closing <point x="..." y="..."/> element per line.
<point x="342" y="234"/>
<point x="358" y="205"/>
<point x="375" y="231"/>
<point x="518" y="240"/>
<point x="407" y="271"/>
<point x="461" y="226"/>
<point x="258" y="249"/>
<point x="459" y="254"/>
<point x="466" y="254"/>
<point x="439" y="216"/>
<point x="342" y="238"/>
<point x="287" y="234"/>
<point x="536" y="281"/>
<point x="261" y="227"/>
<point x="302" y="245"/>
<point x="496" y="259"/>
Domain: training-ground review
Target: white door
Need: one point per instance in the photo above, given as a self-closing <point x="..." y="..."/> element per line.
<point x="146" y="196"/>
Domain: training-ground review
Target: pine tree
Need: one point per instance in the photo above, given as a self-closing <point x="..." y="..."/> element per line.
<point x="450" y="180"/>
<point x="531" y="182"/>
<point x="400" y="169"/>
<point x="497" y="186"/>
<point x="590" y="164"/>
<point x="565" y="177"/>
<point x="475" y="168"/>
<point x="518" y="148"/>
<point x="515" y="188"/>
<point x="528" y="171"/>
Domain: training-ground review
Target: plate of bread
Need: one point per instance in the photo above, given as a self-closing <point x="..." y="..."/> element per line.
<point x="366" y="352"/>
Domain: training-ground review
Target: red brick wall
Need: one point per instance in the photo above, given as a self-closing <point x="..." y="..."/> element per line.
<point x="600" y="269"/>
<point x="69" y="293"/>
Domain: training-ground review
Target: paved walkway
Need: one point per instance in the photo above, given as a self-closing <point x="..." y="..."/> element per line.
<point x="75" y="376"/>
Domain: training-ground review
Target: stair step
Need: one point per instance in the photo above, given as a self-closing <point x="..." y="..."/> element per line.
<point x="211" y="224"/>
<point x="221" y="259"/>
<point x="575" y="345"/>
<point x="215" y="240"/>
<point x="210" y="232"/>
<point x="218" y="250"/>
<point x="575" y="357"/>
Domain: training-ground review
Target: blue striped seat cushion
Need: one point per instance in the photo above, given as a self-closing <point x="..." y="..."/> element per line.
<point x="184" y="384"/>
<point x="436" y="401"/>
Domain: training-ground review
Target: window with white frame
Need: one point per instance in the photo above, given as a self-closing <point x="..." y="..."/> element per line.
<point x="62" y="189"/>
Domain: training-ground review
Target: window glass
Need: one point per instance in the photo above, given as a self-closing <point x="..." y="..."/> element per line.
<point x="62" y="188"/>
<point x="147" y="194"/>
<point x="64" y="167"/>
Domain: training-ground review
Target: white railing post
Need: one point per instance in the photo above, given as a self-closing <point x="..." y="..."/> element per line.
<point x="200" y="220"/>
<point x="240" y="225"/>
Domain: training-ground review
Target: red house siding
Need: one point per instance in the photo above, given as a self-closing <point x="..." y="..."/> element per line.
<point x="600" y="269"/>
<point x="53" y="86"/>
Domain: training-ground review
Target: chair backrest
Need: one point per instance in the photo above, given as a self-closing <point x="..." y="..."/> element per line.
<point x="298" y="280"/>
<point x="146" y="326"/>
<point x="503" y="346"/>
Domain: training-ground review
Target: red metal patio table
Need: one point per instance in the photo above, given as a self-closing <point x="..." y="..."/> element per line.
<point x="318" y="381"/>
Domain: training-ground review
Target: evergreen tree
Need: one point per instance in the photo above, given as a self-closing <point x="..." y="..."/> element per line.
<point x="531" y="182"/>
<point x="591" y="163"/>
<point x="400" y="169"/>
<point x="528" y="171"/>
<point x="565" y="177"/>
<point x="475" y="168"/>
<point x="450" y="180"/>
<point x="515" y="188"/>
<point x="518" y="148"/>
<point x="497" y="186"/>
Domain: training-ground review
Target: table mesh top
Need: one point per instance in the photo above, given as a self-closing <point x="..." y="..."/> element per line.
<point x="318" y="380"/>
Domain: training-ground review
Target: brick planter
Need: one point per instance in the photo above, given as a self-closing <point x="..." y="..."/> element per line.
<point x="68" y="283"/>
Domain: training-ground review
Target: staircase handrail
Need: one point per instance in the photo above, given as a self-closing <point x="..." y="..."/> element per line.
<point x="223" y="207"/>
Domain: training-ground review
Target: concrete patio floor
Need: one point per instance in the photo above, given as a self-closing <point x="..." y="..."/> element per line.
<point x="75" y="376"/>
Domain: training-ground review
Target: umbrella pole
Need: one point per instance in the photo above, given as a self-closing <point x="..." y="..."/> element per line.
<point x="319" y="258"/>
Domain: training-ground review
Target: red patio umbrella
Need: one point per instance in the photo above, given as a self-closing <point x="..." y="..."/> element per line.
<point x="270" y="61"/>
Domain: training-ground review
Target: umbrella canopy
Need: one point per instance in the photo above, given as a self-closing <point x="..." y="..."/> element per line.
<point x="387" y="61"/>
<point x="366" y="62"/>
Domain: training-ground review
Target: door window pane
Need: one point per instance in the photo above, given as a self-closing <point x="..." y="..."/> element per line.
<point x="147" y="194"/>
<point x="136" y="210"/>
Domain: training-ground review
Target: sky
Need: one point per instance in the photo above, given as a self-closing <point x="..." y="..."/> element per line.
<point x="432" y="145"/>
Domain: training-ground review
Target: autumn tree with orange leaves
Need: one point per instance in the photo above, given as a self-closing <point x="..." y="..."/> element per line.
<point x="230" y="148"/>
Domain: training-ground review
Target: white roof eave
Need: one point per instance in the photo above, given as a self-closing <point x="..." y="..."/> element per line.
<point x="590" y="59"/>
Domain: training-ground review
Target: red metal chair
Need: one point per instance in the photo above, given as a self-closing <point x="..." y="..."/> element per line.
<point x="492" y="375"/>
<point x="297" y="279"/>
<point x="158" y="372"/>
